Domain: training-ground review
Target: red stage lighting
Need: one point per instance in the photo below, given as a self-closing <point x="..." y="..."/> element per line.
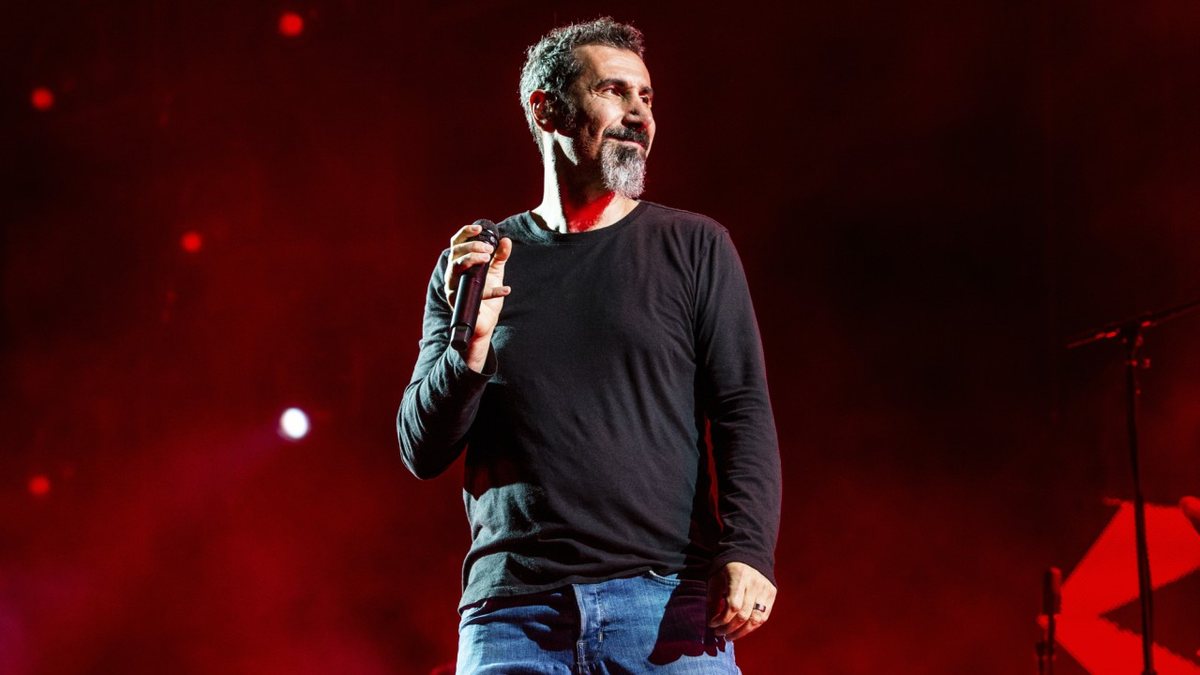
<point x="42" y="98"/>
<point x="39" y="486"/>
<point x="191" y="241"/>
<point x="291" y="24"/>
<point x="1191" y="509"/>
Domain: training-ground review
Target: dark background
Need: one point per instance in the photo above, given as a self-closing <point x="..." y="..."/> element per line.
<point x="929" y="198"/>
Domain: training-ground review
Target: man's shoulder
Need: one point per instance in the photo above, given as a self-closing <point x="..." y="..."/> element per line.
<point x="521" y="228"/>
<point x="516" y="220"/>
<point x="671" y="216"/>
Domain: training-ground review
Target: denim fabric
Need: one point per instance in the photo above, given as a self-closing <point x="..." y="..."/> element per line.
<point x="647" y="623"/>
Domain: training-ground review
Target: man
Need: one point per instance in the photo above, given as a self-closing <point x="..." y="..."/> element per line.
<point x="611" y="331"/>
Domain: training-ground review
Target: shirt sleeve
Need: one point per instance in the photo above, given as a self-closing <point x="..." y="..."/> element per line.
<point x="441" y="399"/>
<point x="733" y="386"/>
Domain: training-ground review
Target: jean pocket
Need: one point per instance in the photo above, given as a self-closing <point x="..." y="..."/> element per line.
<point x="671" y="580"/>
<point x="470" y="612"/>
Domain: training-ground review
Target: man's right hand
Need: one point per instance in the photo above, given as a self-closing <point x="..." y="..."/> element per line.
<point x="464" y="255"/>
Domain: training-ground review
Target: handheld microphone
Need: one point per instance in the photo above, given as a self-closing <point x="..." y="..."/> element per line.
<point x="469" y="292"/>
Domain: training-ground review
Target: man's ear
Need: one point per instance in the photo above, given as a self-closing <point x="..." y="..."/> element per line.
<point x="542" y="105"/>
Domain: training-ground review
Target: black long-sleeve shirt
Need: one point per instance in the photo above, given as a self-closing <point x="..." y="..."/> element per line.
<point x="585" y="434"/>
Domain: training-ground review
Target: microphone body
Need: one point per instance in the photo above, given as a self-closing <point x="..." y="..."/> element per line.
<point x="468" y="293"/>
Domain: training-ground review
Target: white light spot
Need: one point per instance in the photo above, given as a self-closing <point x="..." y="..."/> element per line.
<point x="293" y="424"/>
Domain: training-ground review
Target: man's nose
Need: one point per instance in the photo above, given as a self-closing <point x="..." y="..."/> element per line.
<point x="634" y="104"/>
<point x="638" y="113"/>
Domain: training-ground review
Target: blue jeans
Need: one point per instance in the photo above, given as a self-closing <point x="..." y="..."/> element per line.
<point x="647" y="623"/>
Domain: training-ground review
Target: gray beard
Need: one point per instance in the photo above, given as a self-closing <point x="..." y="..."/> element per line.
<point x="623" y="169"/>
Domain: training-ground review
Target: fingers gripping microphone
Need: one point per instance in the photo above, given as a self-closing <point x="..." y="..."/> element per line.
<point x="469" y="292"/>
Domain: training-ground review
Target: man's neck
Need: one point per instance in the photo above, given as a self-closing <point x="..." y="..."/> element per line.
<point x="586" y="206"/>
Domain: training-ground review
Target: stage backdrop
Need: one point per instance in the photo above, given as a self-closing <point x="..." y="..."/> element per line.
<point x="216" y="211"/>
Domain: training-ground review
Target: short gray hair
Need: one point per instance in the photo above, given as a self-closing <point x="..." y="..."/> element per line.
<point x="551" y="64"/>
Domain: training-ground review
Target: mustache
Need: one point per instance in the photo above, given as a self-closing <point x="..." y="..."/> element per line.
<point x="640" y="137"/>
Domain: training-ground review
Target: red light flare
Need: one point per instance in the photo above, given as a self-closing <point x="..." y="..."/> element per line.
<point x="191" y="241"/>
<point x="291" y="24"/>
<point x="39" y="486"/>
<point x="1191" y="509"/>
<point x="42" y="99"/>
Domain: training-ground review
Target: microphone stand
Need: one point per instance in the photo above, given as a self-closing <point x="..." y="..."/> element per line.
<point x="1051" y="606"/>
<point x="1045" y="649"/>
<point x="1130" y="332"/>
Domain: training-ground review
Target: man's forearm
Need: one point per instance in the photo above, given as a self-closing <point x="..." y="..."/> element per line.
<point x="437" y="410"/>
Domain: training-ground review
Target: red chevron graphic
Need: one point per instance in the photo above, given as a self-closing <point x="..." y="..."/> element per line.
<point x="1106" y="578"/>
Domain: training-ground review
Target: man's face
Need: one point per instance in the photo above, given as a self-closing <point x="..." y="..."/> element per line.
<point x="611" y="127"/>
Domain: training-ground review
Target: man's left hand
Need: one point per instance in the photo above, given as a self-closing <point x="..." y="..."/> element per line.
<point x="739" y="600"/>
